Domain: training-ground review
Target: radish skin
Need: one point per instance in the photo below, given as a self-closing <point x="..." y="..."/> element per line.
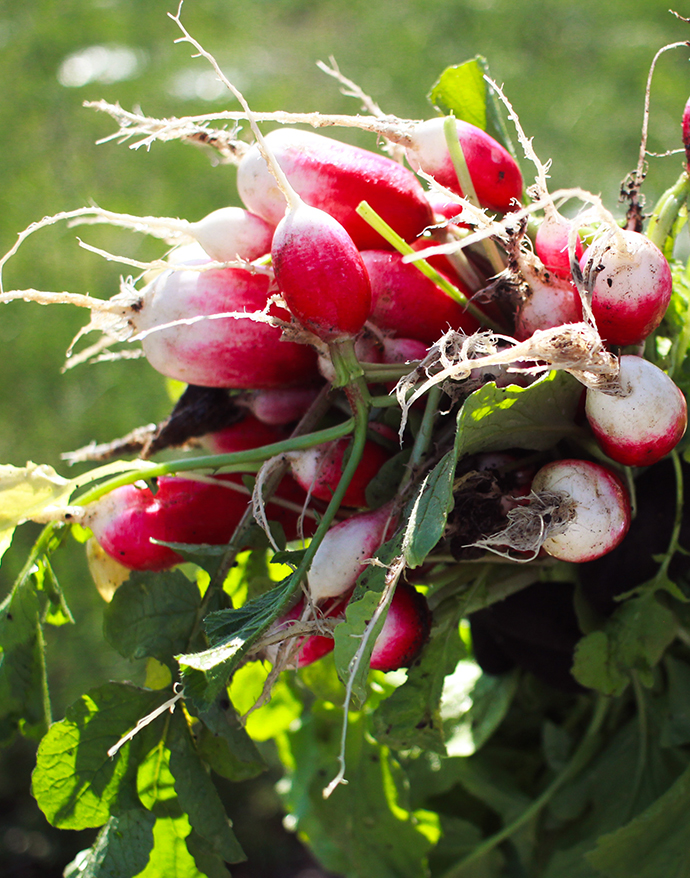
<point x="335" y="177"/>
<point x="407" y="303"/>
<point x="340" y="558"/>
<point x="632" y="286"/>
<point x="405" y="630"/>
<point x="600" y="505"/>
<point x="318" y="470"/>
<point x="227" y="352"/>
<point x="495" y="174"/>
<point x="641" y="427"/>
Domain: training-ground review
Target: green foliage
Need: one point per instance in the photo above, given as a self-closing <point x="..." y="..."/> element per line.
<point x="363" y="828"/>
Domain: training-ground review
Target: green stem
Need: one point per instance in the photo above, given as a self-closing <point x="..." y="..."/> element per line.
<point x="465" y="180"/>
<point x="582" y="755"/>
<point x="424" y="436"/>
<point x="237" y="461"/>
<point x="381" y="226"/>
<point x="667" y="210"/>
<point x="681" y="344"/>
<point x="344" y="360"/>
<point x="641" y="744"/>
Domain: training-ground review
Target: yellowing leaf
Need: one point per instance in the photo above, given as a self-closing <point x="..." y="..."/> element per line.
<point x="34" y="492"/>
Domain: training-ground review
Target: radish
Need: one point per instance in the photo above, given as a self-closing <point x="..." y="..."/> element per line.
<point x="551" y="243"/>
<point x="312" y="647"/>
<point x="495" y="175"/>
<point x="225" y="235"/>
<point x="403" y="350"/>
<point x="320" y="273"/>
<point x="547" y="301"/>
<point x="645" y="422"/>
<point x="340" y="558"/>
<point x="407" y="303"/>
<point x="283" y="405"/>
<point x="335" y="177"/>
<point x="594" y="514"/>
<point x="318" y="470"/>
<point x="225" y="352"/>
<point x="405" y="631"/>
<point x="231" y="233"/>
<point x="183" y="510"/>
<point x="631" y="285"/>
<point x="249" y="432"/>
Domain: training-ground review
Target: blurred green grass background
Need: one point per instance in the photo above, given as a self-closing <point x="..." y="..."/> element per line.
<point x="575" y="73"/>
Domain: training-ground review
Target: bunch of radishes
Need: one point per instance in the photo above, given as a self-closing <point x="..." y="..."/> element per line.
<point x="308" y="303"/>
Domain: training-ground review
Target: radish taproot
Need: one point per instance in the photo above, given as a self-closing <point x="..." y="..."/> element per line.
<point x="643" y="423"/>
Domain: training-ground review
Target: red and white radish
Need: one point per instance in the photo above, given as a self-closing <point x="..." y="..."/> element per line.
<point x="404" y="633"/>
<point x="320" y="273"/>
<point x="548" y="301"/>
<point x="407" y="303"/>
<point x="224" y="352"/>
<point x="551" y="243"/>
<point x="645" y="422"/>
<point x="631" y="286"/>
<point x="279" y="406"/>
<point x="184" y="510"/>
<point x="494" y="172"/>
<point x="340" y="558"/>
<point x="335" y="177"/>
<point x="405" y="630"/>
<point x="318" y="470"/>
<point x="595" y="514"/>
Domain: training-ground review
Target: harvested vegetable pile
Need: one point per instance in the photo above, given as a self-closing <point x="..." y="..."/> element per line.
<point x="416" y="516"/>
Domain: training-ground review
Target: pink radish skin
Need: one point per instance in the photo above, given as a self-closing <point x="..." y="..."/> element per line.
<point x="318" y="470"/>
<point x="642" y="427"/>
<point x="340" y="558"/>
<point x="495" y="175"/>
<point x="406" y="303"/>
<point x="250" y="432"/>
<point x="335" y="177"/>
<point x="227" y="352"/>
<point x="551" y="244"/>
<point x="283" y="406"/>
<point x="320" y="273"/>
<point x="601" y="505"/>
<point x="403" y="350"/>
<point x="315" y="646"/>
<point x="632" y="288"/>
<point x="404" y="632"/>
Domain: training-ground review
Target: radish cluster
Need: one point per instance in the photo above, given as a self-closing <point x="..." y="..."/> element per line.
<point x="348" y="274"/>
